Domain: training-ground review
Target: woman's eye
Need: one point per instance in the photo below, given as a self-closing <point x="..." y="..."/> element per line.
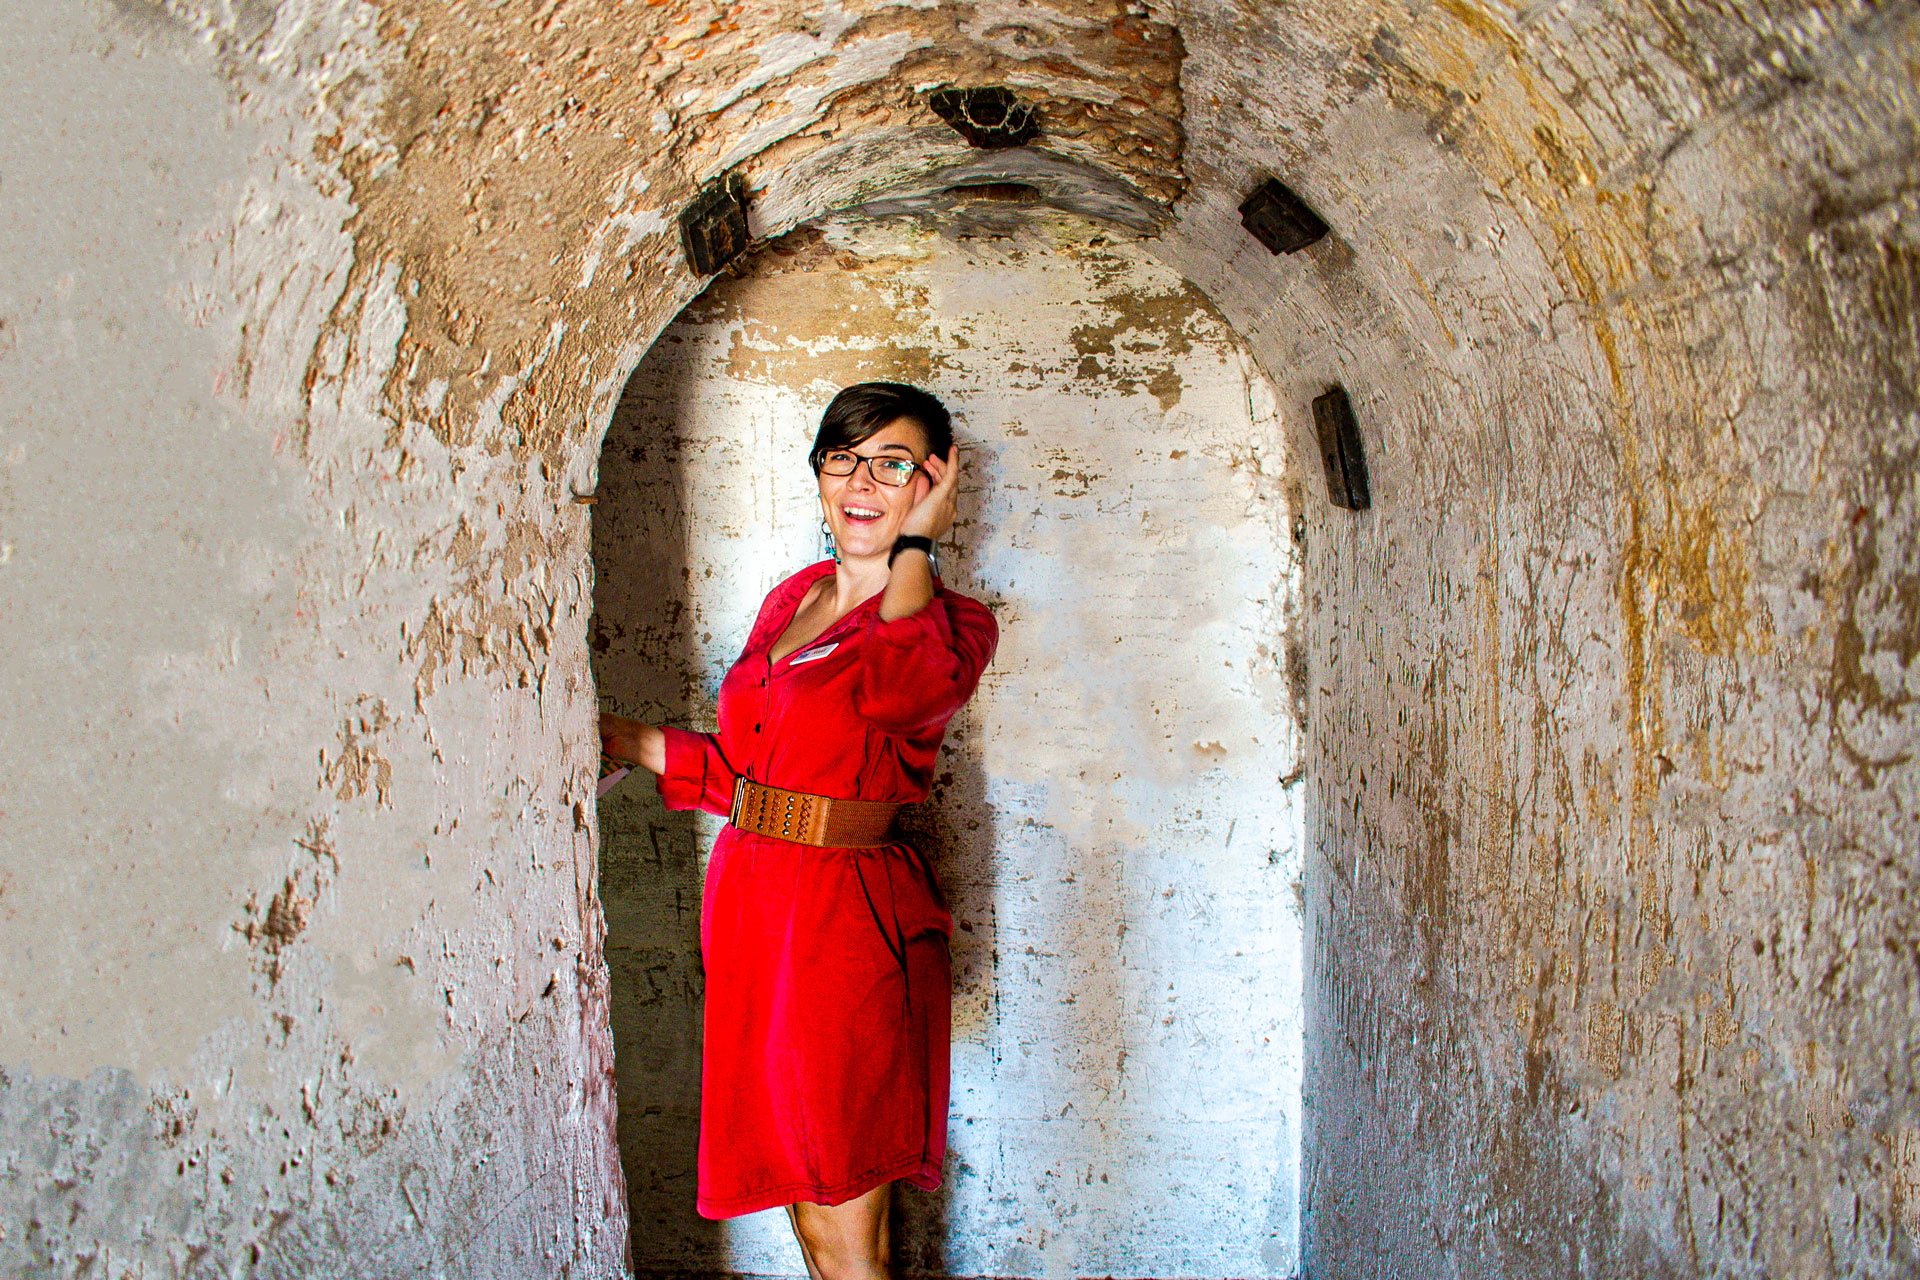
<point x="896" y="468"/>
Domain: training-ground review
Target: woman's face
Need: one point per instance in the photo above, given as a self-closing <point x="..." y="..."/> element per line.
<point x="865" y="516"/>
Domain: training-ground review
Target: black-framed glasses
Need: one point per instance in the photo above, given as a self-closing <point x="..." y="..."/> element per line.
<point x="888" y="469"/>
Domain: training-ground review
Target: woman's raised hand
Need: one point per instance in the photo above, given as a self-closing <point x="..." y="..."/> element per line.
<point x="932" y="516"/>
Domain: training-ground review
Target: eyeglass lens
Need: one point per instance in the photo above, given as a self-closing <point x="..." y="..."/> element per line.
<point x="893" y="472"/>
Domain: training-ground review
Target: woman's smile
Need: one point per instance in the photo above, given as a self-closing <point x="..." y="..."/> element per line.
<point x="864" y="515"/>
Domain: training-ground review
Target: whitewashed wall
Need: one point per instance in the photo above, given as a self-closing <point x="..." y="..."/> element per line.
<point x="313" y="314"/>
<point x="1121" y="864"/>
<point x="299" y="958"/>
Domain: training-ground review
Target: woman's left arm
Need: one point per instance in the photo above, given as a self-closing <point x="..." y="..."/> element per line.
<point x="923" y="656"/>
<point x="910" y="583"/>
<point x="916" y="671"/>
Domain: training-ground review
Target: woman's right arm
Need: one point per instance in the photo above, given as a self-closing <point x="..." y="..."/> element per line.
<point x="632" y="742"/>
<point x="690" y="769"/>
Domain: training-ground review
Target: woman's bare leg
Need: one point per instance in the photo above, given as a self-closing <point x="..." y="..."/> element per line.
<point x="806" y="1255"/>
<point x="845" y="1241"/>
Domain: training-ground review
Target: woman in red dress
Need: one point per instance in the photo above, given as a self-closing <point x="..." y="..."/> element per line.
<point x="824" y="937"/>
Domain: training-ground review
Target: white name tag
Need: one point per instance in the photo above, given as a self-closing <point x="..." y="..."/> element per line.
<point x="811" y="654"/>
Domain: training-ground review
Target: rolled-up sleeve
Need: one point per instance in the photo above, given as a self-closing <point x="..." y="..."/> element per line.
<point x="697" y="775"/>
<point x="918" y="670"/>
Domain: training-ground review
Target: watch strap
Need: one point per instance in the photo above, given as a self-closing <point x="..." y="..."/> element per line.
<point x="910" y="542"/>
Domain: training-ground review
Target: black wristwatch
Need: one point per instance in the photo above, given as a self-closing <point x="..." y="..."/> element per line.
<point x="914" y="542"/>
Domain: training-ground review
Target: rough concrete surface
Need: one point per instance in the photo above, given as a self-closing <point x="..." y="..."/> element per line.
<point x="313" y="316"/>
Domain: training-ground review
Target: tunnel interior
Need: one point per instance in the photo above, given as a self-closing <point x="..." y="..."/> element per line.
<point x="1596" y="723"/>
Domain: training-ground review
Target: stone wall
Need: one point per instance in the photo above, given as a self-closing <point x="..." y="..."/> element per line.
<point x="297" y="918"/>
<point x="1610" y="779"/>
<point x="312" y="317"/>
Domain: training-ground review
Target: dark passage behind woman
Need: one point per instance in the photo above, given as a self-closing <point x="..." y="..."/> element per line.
<point x="823" y="935"/>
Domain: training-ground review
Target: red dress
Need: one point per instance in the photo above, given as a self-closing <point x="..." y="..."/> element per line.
<point x="824" y="1069"/>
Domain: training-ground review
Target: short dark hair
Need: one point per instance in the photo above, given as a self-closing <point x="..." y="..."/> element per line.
<point x="866" y="408"/>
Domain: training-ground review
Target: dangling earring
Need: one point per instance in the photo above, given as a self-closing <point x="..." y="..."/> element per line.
<point x="826" y="533"/>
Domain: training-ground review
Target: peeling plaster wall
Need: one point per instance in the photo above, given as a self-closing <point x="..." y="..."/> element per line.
<point x="297" y="916"/>
<point x="311" y="317"/>
<point x="1611" y="841"/>
<point x="1118" y="855"/>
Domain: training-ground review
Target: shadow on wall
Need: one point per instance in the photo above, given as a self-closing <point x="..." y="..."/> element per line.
<point x="955" y="828"/>
<point x="646" y="665"/>
<point x="659" y="652"/>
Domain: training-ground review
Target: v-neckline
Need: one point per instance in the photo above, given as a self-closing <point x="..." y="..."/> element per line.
<point x="788" y="616"/>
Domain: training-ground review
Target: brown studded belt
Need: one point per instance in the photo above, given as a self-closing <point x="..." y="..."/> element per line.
<point x="808" y="819"/>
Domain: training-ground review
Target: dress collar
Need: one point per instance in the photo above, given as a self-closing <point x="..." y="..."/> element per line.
<point x="785" y="601"/>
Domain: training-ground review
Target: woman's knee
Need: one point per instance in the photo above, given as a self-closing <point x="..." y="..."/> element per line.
<point x="840" y="1257"/>
<point x="846" y="1242"/>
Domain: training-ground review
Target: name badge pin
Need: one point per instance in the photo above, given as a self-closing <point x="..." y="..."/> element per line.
<point x="811" y="654"/>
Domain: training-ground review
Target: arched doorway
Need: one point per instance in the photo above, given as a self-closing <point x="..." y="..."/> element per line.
<point x="1116" y="824"/>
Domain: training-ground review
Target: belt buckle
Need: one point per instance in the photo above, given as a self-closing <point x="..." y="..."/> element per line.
<point x="739" y="800"/>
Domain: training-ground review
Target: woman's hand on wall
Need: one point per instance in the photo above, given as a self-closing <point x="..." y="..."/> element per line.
<point x="632" y="742"/>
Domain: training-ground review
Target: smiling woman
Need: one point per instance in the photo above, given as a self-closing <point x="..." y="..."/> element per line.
<point x="824" y="936"/>
<point x="908" y="434"/>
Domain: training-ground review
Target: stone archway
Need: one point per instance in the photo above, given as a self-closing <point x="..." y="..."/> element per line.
<point x="1123" y="874"/>
<point x="1608" y="786"/>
